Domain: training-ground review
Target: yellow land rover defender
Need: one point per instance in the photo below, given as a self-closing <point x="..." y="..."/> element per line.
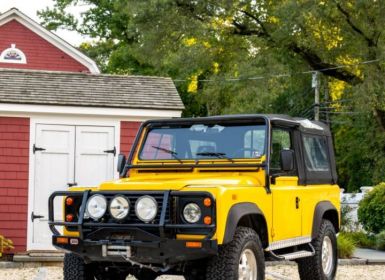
<point x="208" y="198"/>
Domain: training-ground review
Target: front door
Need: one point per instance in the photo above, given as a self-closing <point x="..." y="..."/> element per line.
<point x="287" y="211"/>
<point x="64" y="156"/>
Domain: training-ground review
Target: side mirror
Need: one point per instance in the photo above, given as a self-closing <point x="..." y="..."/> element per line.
<point x="287" y="160"/>
<point x="121" y="163"/>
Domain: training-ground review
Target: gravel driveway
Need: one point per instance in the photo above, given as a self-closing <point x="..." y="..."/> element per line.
<point x="278" y="272"/>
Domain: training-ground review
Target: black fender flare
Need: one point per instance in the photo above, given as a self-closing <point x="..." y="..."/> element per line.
<point x="237" y="211"/>
<point x="319" y="212"/>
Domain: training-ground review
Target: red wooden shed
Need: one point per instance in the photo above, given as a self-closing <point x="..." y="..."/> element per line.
<point x="61" y="123"/>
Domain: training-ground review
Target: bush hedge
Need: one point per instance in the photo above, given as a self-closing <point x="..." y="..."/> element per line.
<point x="361" y="239"/>
<point x="371" y="211"/>
<point x="380" y="241"/>
<point x="346" y="247"/>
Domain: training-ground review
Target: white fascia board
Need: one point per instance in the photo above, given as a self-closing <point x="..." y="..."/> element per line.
<point x="55" y="40"/>
<point x="122" y="113"/>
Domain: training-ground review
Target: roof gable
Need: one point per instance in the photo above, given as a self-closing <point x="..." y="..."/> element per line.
<point x="15" y="14"/>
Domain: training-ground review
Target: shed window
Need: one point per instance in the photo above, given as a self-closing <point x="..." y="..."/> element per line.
<point x="316" y="154"/>
<point x="13" y="55"/>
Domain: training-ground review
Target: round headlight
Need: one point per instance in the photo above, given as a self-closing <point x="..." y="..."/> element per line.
<point x="146" y="208"/>
<point x="192" y="213"/>
<point x="119" y="207"/>
<point x="96" y="206"/>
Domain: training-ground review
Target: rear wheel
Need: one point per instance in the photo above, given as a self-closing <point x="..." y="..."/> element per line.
<point x="241" y="259"/>
<point x="74" y="268"/>
<point x="323" y="265"/>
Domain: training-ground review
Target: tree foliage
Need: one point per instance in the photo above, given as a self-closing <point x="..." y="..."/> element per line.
<point x="371" y="211"/>
<point x="225" y="56"/>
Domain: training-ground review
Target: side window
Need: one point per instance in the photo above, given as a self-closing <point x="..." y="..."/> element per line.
<point x="316" y="153"/>
<point x="280" y="141"/>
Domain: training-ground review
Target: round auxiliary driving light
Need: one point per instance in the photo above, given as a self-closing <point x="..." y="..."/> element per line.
<point x="119" y="207"/>
<point x="146" y="208"/>
<point x="96" y="206"/>
<point x="192" y="213"/>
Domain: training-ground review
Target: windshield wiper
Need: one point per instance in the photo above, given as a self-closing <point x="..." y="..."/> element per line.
<point x="172" y="153"/>
<point x="213" y="154"/>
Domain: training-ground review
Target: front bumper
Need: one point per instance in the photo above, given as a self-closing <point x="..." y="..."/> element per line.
<point x="153" y="243"/>
<point x="162" y="252"/>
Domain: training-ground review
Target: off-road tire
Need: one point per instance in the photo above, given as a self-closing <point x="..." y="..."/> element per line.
<point x="74" y="268"/>
<point x="225" y="265"/>
<point x="311" y="268"/>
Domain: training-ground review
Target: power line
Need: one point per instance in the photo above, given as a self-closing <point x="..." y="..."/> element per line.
<point x="283" y="75"/>
<point x="338" y="101"/>
<point x="342" y="113"/>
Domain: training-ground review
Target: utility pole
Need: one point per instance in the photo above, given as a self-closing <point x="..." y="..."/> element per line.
<point x="315" y="84"/>
<point x="326" y="98"/>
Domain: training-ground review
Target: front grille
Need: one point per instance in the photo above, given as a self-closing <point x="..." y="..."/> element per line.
<point x="131" y="217"/>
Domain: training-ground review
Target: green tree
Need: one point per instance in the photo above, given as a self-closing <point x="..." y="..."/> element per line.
<point x="212" y="48"/>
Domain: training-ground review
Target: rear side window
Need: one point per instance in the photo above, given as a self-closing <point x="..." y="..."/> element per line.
<point x="316" y="153"/>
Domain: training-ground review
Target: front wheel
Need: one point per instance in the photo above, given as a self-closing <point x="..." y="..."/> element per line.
<point x="323" y="265"/>
<point x="241" y="259"/>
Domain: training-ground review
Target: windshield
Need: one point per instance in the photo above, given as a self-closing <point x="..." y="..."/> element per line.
<point x="202" y="141"/>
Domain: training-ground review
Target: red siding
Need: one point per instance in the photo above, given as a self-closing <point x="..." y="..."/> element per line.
<point x="40" y="54"/>
<point x="14" y="147"/>
<point x="128" y="132"/>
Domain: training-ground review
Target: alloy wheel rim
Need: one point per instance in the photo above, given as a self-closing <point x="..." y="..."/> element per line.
<point x="327" y="255"/>
<point x="247" y="266"/>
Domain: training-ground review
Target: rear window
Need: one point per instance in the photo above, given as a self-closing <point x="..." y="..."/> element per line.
<point x="316" y="153"/>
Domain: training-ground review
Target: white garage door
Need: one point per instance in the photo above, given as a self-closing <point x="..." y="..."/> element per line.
<point x="64" y="156"/>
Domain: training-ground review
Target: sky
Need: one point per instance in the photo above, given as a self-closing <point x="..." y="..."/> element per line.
<point x="30" y="8"/>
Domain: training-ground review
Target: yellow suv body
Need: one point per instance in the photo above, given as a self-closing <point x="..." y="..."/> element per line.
<point x="200" y="195"/>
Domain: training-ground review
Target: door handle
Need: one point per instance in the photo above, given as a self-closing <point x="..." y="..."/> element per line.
<point x="297" y="200"/>
<point x="72" y="184"/>
<point x="112" y="151"/>
<point x="33" y="216"/>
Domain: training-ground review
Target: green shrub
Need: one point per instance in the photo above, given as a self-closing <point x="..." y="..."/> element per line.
<point x="346" y="247"/>
<point x="361" y="239"/>
<point x="371" y="211"/>
<point x="346" y="220"/>
<point x="380" y="241"/>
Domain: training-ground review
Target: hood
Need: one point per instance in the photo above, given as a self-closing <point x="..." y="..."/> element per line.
<point x="181" y="180"/>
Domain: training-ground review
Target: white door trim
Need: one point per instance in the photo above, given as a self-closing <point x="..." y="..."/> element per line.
<point x="74" y="120"/>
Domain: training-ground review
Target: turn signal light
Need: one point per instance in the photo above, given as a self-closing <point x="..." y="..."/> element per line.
<point x="193" y="244"/>
<point x="69" y="218"/>
<point x="207" y="220"/>
<point x="69" y="201"/>
<point x="207" y="202"/>
<point x="62" y="240"/>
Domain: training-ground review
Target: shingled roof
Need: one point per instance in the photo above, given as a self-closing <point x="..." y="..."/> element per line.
<point x="78" y="89"/>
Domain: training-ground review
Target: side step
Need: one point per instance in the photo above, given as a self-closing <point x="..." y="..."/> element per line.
<point x="295" y="255"/>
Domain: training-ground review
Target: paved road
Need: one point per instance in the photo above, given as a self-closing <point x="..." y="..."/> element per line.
<point x="373" y="256"/>
<point x="278" y="272"/>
